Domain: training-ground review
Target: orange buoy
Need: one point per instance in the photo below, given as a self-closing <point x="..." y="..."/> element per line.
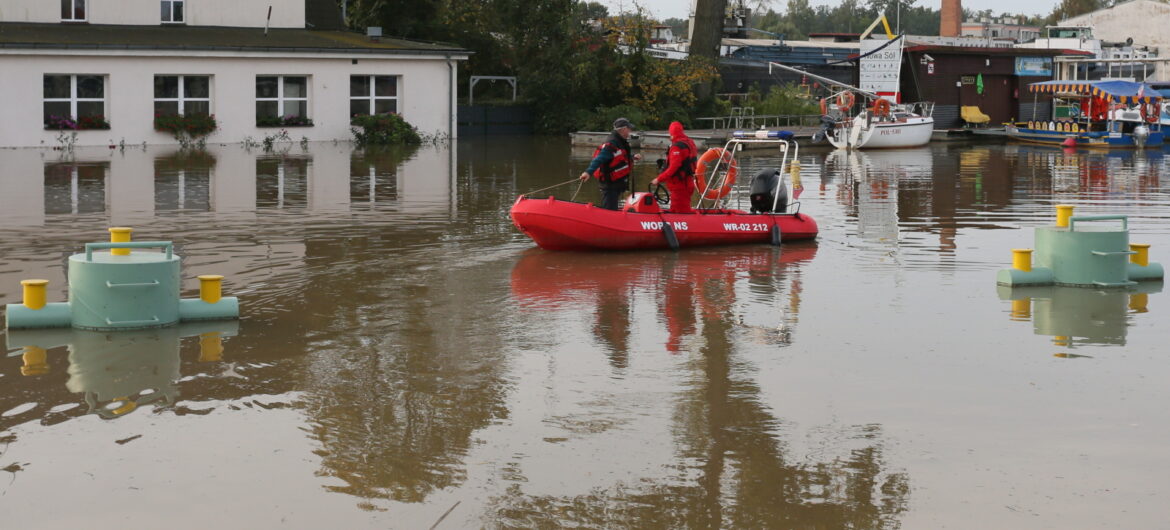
<point x="881" y="107"/>
<point x="845" y="101"/>
<point x="707" y="163"/>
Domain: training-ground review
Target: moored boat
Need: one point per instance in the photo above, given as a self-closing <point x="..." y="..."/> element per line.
<point x="1102" y="114"/>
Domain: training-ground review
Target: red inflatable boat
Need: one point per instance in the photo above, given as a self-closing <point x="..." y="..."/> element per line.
<point x="562" y="225"/>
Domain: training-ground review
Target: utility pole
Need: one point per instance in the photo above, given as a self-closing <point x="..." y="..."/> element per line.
<point x="707" y="35"/>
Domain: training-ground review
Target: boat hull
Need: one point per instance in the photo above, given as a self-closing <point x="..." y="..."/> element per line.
<point x="912" y="133"/>
<point x="563" y="225"/>
<point x="1095" y="140"/>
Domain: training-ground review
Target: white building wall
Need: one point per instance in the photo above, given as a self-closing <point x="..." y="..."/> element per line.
<point x="1145" y="21"/>
<point x="233" y="13"/>
<point x="424" y="93"/>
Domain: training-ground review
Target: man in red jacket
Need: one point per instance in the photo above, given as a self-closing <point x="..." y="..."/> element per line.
<point x="679" y="175"/>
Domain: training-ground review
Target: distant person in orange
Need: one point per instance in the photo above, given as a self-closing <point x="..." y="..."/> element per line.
<point x="679" y="175"/>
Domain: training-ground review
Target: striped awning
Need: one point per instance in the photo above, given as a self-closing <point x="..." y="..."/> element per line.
<point x="1127" y="92"/>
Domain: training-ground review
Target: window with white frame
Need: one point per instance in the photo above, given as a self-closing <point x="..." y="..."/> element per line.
<point x="73" y="10"/>
<point x="182" y="94"/>
<point x="282" y="100"/>
<point x="172" y="11"/>
<point x="373" y="94"/>
<point x="75" y="101"/>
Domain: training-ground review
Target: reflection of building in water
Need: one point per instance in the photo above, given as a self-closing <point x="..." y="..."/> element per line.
<point x="117" y="372"/>
<point x="136" y="187"/>
<point x="1075" y="315"/>
<point x="135" y="182"/>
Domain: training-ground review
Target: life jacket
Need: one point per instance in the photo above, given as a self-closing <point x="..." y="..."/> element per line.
<point x="687" y="170"/>
<point x="618" y="168"/>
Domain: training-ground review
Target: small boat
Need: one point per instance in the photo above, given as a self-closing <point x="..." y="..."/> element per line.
<point x="641" y="223"/>
<point x="1102" y="114"/>
<point x="882" y="125"/>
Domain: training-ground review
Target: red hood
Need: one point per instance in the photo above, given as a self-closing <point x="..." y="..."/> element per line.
<point x="676" y="130"/>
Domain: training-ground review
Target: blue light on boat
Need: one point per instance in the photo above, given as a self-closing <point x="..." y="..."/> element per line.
<point x="781" y="135"/>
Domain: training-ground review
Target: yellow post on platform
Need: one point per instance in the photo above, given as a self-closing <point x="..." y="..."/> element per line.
<point x="34" y="293"/>
<point x="210" y="288"/>
<point x="1062" y="340"/>
<point x="1142" y="254"/>
<point x="120" y="234"/>
<point x="1063" y="214"/>
<point x="1022" y="259"/>
<point x="35" y="362"/>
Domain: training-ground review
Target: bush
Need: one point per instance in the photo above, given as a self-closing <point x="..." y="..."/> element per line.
<point x="64" y="123"/>
<point x="383" y="129"/>
<point x="284" y="121"/>
<point x="193" y="125"/>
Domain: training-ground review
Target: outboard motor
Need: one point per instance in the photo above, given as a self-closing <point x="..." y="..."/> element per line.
<point x="827" y="124"/>
<point x="764" y="192"/>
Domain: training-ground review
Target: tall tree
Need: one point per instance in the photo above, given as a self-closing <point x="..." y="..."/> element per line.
<point x="707" y="35"/>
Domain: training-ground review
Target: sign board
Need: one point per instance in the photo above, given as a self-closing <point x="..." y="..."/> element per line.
<point x="1034" y="66"/>
<point x="881" y="68"/>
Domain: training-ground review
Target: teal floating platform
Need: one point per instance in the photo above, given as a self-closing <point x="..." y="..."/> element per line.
<point x="121" y="290"/>
<point x="1082" y="252"/>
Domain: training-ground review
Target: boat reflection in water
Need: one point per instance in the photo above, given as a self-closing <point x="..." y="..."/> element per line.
<point x="1075" y="316"/>
<point x="118" y="372"/>
<point x="700" y="282"/>
<point x="732" y="460"/>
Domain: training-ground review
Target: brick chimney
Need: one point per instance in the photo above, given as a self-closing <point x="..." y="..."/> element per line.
<point x="951" y="21"/>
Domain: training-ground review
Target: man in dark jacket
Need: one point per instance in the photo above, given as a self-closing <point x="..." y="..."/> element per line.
<point x="611" y="164"/>
<point x="679" y="175"/>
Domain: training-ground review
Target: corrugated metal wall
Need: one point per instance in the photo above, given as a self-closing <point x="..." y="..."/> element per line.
<point x="1043" y="111"/>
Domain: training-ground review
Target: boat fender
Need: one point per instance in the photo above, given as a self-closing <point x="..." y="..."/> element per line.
<point x="668" y="233"/>
<point x="775" y="233"/>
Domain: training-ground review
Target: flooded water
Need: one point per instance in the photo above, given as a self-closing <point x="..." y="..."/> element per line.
<point x="407" y="359"/>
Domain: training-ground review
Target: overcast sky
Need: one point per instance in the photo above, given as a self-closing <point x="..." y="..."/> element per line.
<point x="681" y="8"/>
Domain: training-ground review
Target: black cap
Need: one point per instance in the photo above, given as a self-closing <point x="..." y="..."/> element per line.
<point x="622" y="122"/>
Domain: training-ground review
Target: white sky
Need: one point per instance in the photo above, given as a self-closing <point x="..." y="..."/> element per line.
<point x="681" y="8"/>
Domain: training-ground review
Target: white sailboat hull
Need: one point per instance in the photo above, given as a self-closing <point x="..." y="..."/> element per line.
<point x="912" y="132"/>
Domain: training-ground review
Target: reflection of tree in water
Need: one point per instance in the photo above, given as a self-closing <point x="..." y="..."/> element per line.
<point x="733" y="470"/>
<point x="395" y="395"/>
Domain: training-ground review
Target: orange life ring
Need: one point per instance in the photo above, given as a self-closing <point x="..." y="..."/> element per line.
<point x="881" y="107"/>
<point x="707" y="163"/>
<point x="1150" y="112"/>
<point x="845" y="101"/>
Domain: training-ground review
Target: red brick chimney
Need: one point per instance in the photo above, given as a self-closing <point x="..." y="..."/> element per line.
<point x="951" y="21"/>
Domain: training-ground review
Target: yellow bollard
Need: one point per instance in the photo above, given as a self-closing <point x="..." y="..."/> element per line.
<point x="1022" y="309"/>
<point x="210" y="288"/>
<point x="1061" y="340"/>
<point x="210" y="347"/>
<point x="120" y="234"/>
<point x="1142" y="256"/>
<point x="34" y="293"/>
<point x="1022" y="259"/>
<point x="1138" y="301"/>
<point x="34" y="361"/>
<point x="1063" y="214"/>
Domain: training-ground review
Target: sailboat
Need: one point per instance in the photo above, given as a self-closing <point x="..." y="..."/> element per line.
<point x="881" y="120"/>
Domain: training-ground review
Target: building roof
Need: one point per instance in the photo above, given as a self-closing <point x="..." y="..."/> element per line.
<point x="206" y="38"/>
<point x="972" y="50"/>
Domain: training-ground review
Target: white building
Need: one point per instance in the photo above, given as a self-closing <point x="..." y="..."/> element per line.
<point x="112" y="66"/>
<point x="1138" y="22"/>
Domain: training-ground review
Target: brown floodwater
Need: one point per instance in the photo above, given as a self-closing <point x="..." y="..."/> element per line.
<point x="405" y="358"/>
